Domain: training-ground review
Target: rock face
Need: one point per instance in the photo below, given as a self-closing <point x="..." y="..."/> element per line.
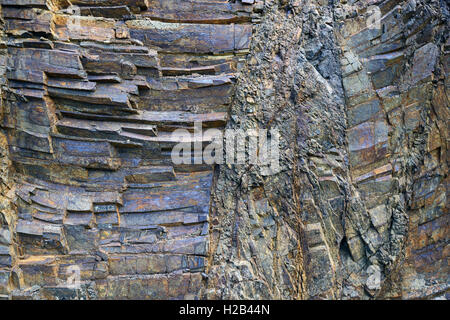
<point x="92" y="205"/>
<point x="395" y="84"/>
<point x="93" y="92"/>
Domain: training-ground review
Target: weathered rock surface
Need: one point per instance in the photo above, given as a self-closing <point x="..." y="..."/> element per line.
<point x="92" y="92"/>
<point x="359" y="209"/>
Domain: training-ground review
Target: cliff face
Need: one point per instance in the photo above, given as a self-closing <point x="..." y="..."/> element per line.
<point x="92" y="205"/>
<point x="397" y="108"/>
<point x="94" y="92"/>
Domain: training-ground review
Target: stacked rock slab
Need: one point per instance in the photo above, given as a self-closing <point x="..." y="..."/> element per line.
<point x="359" y="209"/>
<point x="394" y="65"/>
<point x="95" y="90"/>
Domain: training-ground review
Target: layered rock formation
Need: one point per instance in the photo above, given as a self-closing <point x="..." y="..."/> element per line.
<point x="92" y="92"/>
<point x="395" y="83"/>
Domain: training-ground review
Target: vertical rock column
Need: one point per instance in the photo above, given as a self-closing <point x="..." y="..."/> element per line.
<point x="7" y="215"/>
<point x="394" y="65"/>
<point x="95" y="92"/>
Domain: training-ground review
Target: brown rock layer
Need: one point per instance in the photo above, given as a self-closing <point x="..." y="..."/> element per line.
<point x="93" y="90"/>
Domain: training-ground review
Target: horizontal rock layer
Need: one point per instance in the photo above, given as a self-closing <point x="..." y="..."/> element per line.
<point x="92" y="92"/>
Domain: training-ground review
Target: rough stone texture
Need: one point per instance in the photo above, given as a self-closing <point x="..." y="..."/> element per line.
<point x="91" y="94"/>
<point x="364" y="167"/>
<point x="267" y="230"/>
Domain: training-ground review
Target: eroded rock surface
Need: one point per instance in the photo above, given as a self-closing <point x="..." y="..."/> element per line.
<point x="92" y="91"/>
